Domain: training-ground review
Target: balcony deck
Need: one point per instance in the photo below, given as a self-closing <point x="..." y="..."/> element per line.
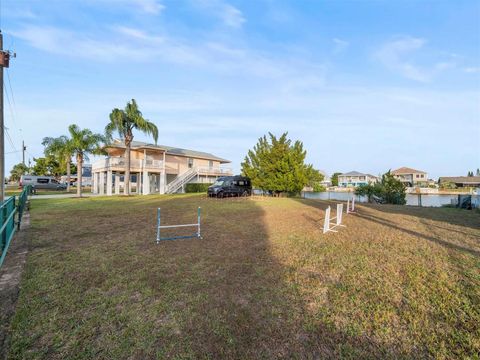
<point x="118" y="164"/>
<point x="154" y="166"/>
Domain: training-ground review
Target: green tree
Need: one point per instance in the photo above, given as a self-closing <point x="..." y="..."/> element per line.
<point x="334" y="178"/>
<point x="17" y="171"/>
<point x="367" y="190"/>
<point x="278" y="165"/>
<point x="62" y="150"/>
<point x="319" y="187"/>
<point x="314" y="177"/>
<point x="46" y="166"/>
<point x="389" y="190"/>
<point x="84" y="142"/>
<point x="394" y="190"/>
<point x="124" y="122"/>
<point x="478" y="172"/>
<point x="470" y="173"/>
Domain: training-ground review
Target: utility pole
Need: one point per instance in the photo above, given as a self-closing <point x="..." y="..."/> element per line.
<point x="23" y="152"/>
<point x="4" y="63"/>
<point x="2" y="127"/>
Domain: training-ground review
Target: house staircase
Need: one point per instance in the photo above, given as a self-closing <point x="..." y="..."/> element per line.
<point x="181" y="180"/>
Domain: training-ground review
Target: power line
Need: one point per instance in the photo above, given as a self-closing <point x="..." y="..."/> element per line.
<point x="12" y="152"/>
<point x="9" y="138"/>
<point x="11" y="92"/>
<point x="9" y="103"/>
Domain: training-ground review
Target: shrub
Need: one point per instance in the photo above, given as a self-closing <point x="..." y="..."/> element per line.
<point x="390" y="190"/>
<point x="448" y="185"/>
<point x="196" y="188"/>
<point x="319" y="187"/>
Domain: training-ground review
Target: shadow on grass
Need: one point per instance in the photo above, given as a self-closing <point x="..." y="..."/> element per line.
<point x="454" y="216"/>
<point x="433" y="239"/>
<point x="98" y="286"/>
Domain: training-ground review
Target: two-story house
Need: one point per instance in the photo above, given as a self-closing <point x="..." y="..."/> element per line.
<point x="411" y="177"/>
<point x="355" y="178"/>
<point x="154" y="169"/>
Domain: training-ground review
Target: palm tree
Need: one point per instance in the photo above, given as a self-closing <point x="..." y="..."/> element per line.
<point x="61" y="149"/>
<point x="84" y="142"/>
<point x="124" y="122"/>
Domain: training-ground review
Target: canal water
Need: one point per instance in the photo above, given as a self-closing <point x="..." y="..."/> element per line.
<point x="427" y="200"/>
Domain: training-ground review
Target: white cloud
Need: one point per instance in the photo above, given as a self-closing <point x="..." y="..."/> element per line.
<point x="138" y="34"/>
<point x="150" y="6"/>
<point x="228" y="14"/>
<point x="110" y="48"/>
<point x="20" y="13"/>
<point x="231" y="16"/>
<point x="444" y="65"/>
<point x="402" y="56"/>
<point x="340" y="45"/>
<point x="117" y="44"/>
<point x="394" y="56"/>
<point x="472" y="70"/>
<point x="63" y="42"/>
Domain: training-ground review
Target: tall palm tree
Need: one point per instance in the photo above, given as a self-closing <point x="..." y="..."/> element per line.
<point x="124" y="122"/>
<point x="61" y="149"/>
<point x="84" y="142"/>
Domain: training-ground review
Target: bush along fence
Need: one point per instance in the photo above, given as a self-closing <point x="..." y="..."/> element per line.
<point x="11" y="211"/>
<point x="196" y="188"/>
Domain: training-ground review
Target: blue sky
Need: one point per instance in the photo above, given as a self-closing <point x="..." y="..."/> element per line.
<point x="366" y="85"/>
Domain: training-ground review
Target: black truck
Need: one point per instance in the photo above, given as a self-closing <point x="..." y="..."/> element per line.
<point x="228" y="186"/>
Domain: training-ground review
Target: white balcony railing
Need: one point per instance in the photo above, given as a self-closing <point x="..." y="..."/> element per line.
<point x="214" y="171"/>
<point x="121" y="161"/>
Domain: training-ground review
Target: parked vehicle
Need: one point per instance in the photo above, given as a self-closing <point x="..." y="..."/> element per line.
<point x="230" y="186"/>
<point x="41" y="182"/>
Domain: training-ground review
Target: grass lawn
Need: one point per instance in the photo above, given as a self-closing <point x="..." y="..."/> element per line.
<point x="397" y="282"/>
<point x="11" y="191"/>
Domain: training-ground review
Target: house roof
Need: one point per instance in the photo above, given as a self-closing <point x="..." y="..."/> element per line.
<point x="406" y="170"/>
<point x="170" y="150"/>
<point x="354" y="173"/>
<point x="460" y="179"/>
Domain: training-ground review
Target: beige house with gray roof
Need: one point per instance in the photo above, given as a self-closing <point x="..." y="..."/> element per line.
<point x="154" y="169"/>
<point x="410" y="177"/>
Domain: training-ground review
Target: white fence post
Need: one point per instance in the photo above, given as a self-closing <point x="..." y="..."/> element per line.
<point x="326" y="222"/>
<point x="338" y="219"/>
<point x="351" y="209"/>
<point x="339" y="214"/>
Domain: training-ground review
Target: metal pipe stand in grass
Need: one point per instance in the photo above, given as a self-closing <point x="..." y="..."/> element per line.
<point x="197" y="225"/>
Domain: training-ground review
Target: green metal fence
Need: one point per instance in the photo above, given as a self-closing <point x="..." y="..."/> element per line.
<point x="11" y="212"/>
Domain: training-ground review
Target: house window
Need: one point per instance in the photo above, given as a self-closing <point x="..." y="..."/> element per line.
<point x="190" y="163"/>
<point x="210" y="164"/>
